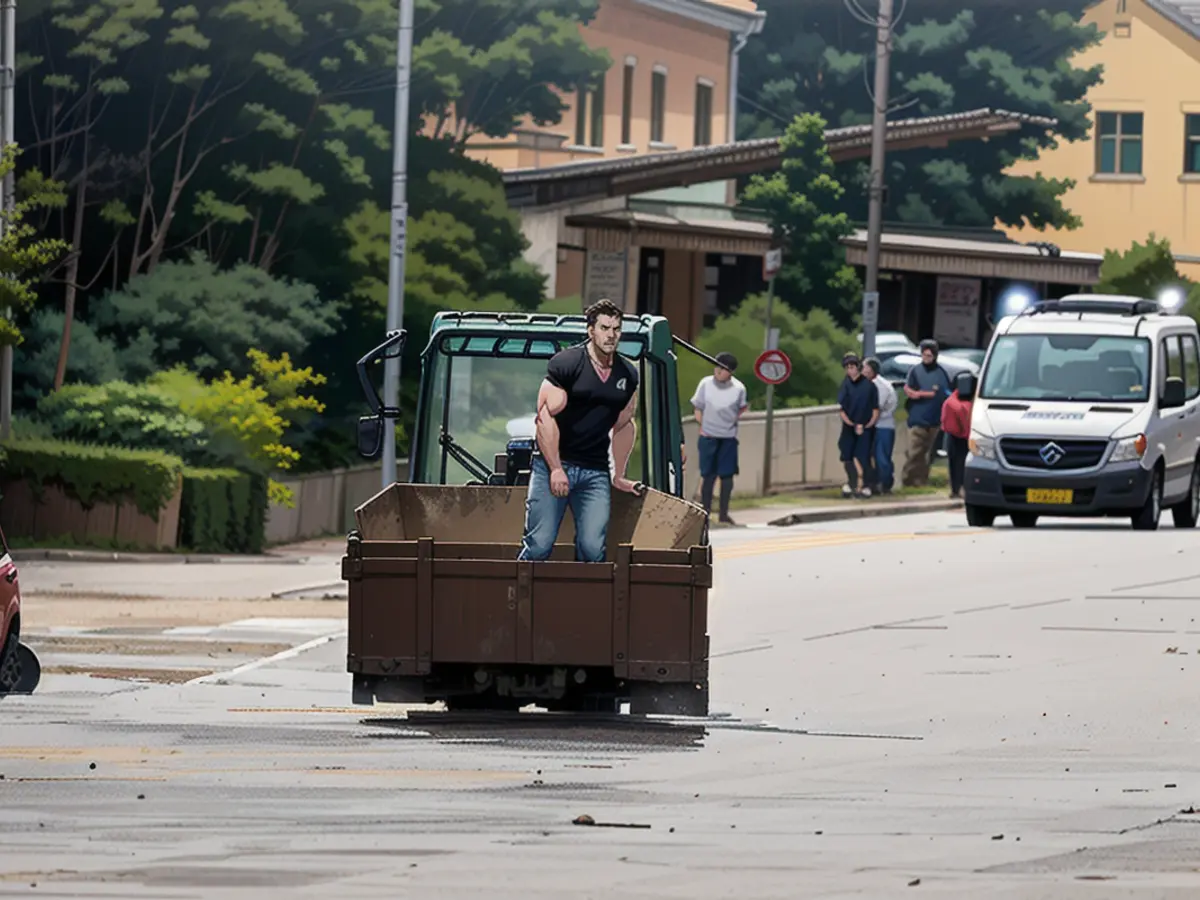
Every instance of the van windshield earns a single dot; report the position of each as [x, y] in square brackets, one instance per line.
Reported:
[1068, 367]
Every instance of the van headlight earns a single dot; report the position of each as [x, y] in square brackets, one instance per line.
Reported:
[982, 446]
[1129, 449]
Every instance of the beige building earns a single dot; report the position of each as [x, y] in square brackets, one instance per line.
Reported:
[1140, 171]
[632, 195]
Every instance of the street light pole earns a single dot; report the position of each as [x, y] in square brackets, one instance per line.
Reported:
[395, 305]
[8, 78]
[883, 45]
[769, 437]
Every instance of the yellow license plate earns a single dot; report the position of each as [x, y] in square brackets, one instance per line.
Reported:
[1049, 497]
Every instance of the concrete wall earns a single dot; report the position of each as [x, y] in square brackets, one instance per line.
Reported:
[804, 453]
[804, 450]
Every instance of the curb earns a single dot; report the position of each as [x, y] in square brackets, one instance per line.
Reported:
[103, 556]
[864, 512]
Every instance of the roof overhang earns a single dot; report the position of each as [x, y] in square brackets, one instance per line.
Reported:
[621, 230]
[976, 259]
[592, 179]
[717, 15]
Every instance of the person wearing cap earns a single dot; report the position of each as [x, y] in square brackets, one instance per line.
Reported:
[719, 402]
[927, 387]
[858, 402]
[956, 422]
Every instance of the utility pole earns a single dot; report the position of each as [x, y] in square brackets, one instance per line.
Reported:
[8, 78]
[395, 305]
[883, 50]
[772, 263]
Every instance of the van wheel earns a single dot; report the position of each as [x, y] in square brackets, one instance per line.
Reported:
[1187, 512]
[1147, 518]
[980, 517]
[1024, 520]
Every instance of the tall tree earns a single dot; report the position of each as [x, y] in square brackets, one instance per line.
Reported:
[802, 199]
[949, 56]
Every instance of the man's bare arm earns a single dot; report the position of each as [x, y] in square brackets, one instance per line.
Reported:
[623, 437]
[551, 401]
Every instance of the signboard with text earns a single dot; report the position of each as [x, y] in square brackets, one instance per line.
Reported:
[956, 316]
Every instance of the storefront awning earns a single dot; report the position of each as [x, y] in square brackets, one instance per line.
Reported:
[617, 231]
[577, 182]
[977, 259]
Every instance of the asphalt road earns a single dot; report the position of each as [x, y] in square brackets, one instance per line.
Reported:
[901, 707]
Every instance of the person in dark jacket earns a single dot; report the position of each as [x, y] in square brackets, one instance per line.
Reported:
[927, 387]
[858, 402]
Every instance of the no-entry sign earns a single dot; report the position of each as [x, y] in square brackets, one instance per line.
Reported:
[773, 367]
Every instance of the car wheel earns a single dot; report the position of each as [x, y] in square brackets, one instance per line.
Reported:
[10, 665]
[1147, 518]
[980, 517]
[1024, 520]
[1187, 512]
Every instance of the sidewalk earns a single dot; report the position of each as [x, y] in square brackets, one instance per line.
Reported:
[781, 515]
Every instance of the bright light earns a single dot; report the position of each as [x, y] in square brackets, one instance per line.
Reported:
[1014, 300]
[1171, 298]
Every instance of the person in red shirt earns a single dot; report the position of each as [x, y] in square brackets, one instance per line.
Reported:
[956, 422]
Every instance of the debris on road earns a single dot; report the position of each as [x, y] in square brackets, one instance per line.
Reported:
[914, 882]
[590, 822]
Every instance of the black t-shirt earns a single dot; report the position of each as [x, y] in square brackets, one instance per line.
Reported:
[593, 406]
[859, 399]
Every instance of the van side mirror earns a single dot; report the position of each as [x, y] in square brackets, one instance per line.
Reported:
[1173, 394]
[370, 437]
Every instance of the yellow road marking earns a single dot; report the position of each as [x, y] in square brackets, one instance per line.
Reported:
[819, 540]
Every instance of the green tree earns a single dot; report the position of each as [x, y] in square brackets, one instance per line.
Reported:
[949, 56]
[1145, 270]
[813, 342]
[482, 66]
[205, 318]
[802, 200]
[24, 257]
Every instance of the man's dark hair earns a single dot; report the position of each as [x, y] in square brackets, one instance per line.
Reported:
[602, 308]
[726, 361]
[929, 344]
[849, 358]
[873, 363]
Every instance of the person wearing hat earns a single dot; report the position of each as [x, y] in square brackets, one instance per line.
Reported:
[858, 406]
[719, 402]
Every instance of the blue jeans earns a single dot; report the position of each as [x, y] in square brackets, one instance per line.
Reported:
[885, 445]
[590, 499]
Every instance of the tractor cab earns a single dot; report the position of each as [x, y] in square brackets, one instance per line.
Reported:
[480, 375]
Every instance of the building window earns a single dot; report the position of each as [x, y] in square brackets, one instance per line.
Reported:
[658, 104]
[1119, 144]
[1191, 145]
[704, 113]
[589, 116]
[627, 101]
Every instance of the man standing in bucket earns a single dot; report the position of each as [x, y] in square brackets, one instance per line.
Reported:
[585, 407]
[719, 402]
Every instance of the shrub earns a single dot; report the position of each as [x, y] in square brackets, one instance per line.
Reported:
[93, 474]
[122, 414]
[223, 510]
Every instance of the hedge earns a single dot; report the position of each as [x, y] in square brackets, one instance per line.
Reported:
[223, 511]
[94, 474]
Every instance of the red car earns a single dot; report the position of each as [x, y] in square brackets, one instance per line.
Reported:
[19, 668]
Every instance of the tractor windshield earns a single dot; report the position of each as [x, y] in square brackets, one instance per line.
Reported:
[482, 393]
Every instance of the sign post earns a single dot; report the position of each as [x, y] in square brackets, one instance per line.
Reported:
[772, 263]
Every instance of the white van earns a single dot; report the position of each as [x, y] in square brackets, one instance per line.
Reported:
[1087, 406]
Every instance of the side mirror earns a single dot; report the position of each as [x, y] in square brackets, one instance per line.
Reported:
[1173, 394]
[370, 437]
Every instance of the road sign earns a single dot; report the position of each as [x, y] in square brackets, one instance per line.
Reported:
[870, 310]
[772, 263]
[773, 367]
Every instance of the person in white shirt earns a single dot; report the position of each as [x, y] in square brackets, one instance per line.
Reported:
[884, 474]
[719, 402]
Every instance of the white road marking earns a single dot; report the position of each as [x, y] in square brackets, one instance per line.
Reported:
[267, 660]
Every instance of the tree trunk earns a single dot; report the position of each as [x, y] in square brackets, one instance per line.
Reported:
[64, 347]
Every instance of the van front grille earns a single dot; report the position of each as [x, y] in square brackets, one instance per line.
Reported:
[1052, 455]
